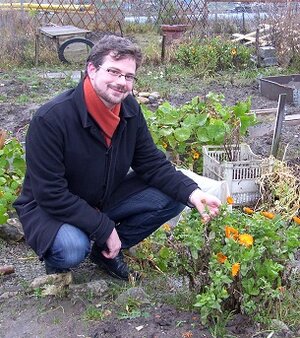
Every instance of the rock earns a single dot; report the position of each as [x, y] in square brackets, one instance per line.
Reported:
[97, 288]
[152, 99]
[135, 293]
[8, 294]
[6, 270]
[282, 330]
[12, 230]
[155, 95]
[142, 100]
[52, 285]
[144, 94]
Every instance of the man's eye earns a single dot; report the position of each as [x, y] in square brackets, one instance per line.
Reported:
[129, 77]
[113, 72]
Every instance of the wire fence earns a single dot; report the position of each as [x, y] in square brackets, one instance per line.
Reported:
[99, 15]
[205, 17]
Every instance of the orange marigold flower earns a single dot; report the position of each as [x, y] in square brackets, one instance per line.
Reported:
[248, 211]
[221, 257]
[296, 219]
[167, 227]
[196, 155]
[268, 214]
[231, 232]
[246, 240]
[187, 334]
[235, 269]
[165, 145]
[229, 200]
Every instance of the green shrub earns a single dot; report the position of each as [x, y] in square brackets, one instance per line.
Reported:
[235, 263]
[12, 169]
[210, 56]
[184, 130]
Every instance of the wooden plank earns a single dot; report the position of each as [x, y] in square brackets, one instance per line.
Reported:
[53, 32]
[264, 111]
[292, 117]
[278, 125]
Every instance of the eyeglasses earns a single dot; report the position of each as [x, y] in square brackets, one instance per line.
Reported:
[117, 73]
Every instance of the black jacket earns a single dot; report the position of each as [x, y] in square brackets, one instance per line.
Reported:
[73, 177]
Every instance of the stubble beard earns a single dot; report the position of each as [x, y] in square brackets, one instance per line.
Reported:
[112, 99]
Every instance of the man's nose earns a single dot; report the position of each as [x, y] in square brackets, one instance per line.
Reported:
[121, 79]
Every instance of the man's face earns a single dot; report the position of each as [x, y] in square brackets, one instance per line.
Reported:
[109, 86]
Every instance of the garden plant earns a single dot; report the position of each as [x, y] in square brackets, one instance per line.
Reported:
[236, 263]
[183, 130]
[12, 168]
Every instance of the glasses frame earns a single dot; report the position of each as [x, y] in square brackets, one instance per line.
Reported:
[118, 74]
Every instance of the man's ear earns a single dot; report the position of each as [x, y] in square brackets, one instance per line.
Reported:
[91, 70]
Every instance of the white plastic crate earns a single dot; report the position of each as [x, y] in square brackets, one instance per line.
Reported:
[241, 174]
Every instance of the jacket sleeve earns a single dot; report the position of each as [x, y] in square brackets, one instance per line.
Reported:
[46, 171]
[151, 164]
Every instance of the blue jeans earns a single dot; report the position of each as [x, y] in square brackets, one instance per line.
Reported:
[136, 218]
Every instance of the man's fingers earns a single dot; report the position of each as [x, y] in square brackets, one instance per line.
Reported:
[109, 254]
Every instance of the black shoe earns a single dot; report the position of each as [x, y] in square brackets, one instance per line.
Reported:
[116, 267]
[51, 270]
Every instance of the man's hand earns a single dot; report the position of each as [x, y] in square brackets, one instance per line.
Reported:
[207, 204]
[113, 244]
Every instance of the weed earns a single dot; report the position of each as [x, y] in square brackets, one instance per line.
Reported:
[93, 313]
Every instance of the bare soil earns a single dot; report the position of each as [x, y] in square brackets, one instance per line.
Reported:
[24, 313]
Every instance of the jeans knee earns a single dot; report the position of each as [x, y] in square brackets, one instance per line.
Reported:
[69, 249]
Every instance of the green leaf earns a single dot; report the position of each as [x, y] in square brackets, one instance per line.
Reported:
[182, 134]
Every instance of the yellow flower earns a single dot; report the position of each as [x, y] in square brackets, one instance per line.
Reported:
[246, 240]
[235, 269]
[221, 257]
[268, 214]
[233, 51]
[196, 155]
[231, 232]
[167, 227]
[229, 200]
[296, 219]
[248, 211]
[165, 145]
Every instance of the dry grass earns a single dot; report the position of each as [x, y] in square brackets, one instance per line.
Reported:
[17, 31]
[280, 190]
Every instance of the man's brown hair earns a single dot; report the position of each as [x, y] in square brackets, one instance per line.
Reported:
[117, 47]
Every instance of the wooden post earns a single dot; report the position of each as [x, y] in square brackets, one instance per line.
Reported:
[36, 48]
[163, 48]
[258, 59]
[278, 124]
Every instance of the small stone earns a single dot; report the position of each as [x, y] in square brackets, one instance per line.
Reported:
[143, 100]
[12, 230]
[136, 293]
[97, 288]
[144, 94]
[152, 99]
[282, 330]
[52, 285]
[155, 95]
[8, 294]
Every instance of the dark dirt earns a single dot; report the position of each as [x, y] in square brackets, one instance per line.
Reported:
[25, 314]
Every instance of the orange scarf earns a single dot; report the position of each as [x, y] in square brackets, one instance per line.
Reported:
[107, 119]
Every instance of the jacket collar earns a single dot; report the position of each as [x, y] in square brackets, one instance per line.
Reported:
[128, 107]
